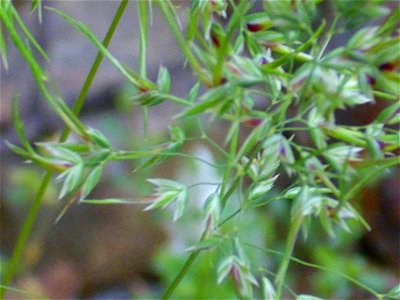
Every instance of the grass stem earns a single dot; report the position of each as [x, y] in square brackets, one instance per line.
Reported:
[36, 204]
[291, 241]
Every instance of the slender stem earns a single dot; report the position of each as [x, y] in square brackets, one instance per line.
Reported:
[232, 150]
[29, 36]
[24, 234]
[190, 260]
[39, 76]
[228, 218]
[34, 210]
[236, 18]
[194, 255]
[291, 241]
[142, 12]
[167, 294]
[177, 100]
[318, 267]
[165, 7]
[386, 96]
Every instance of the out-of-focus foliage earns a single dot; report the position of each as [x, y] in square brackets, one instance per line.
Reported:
[284, 180]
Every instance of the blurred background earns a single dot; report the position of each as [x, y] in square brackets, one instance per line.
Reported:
[121, 252]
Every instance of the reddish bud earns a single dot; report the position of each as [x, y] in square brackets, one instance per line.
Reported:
[252, 123]
[235, 274]
[388, 67]
[222, 81]
[254, 27]
[214, 38]
[371, 80]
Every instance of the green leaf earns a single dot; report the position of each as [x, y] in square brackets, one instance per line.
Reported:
[19, 126]
[169, 191]
[261, 188]
[19, 150]
[3, 49]
[211, 99]
[128, 155]
[339, 156]
[99, 157]
[27, 33]
[161, 153]
[257, 135]
[293, 192]
[205, 244]
[134, 78]
[199, 108]
[394, 293]
[326, 222]
[71, 147]
[194, 92]
[317, 135]
[73, 178]
[225, 267]
[268, 289]
[395, 119]
[177, 134]
[149, 98]
[98, 138]
[108, 201]
[374, 148]
[163, 80]
[162, 200]
[181, 202]
[212, 208]
[37, 5]
[166, 184]
[300, 202]
[64, 153]
[238, 46]
[91, 181]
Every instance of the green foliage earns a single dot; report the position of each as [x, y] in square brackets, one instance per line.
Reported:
[270, 71]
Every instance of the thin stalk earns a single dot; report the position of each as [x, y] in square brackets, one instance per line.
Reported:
[165, 7]
[167, 294]
[346, 135]
[40, 77]
[23, 292]
[34, 210]
[177, 100]
[236, 18]
[298, 52]
[385, 96]
[232, 151]
[319, 267]
[24, 234]
[27, 33]
[355, 187]
[142, 12]
[171, 288]
[291, 241]
[190, 260]
[216, 146]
